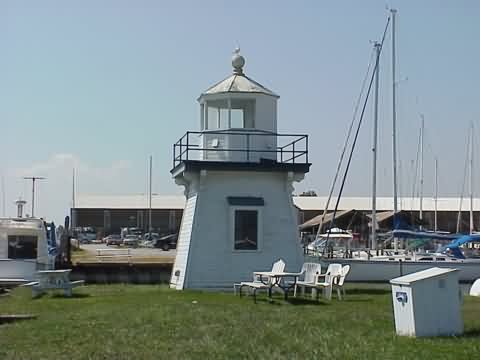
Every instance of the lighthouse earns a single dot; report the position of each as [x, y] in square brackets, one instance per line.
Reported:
[238, 174]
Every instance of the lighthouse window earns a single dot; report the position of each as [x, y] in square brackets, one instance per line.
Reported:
[242, 113]
[217, 114]
[246, 230]
[22, 247]
[237, 119]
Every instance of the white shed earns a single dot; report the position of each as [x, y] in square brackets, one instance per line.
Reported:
[428, 303]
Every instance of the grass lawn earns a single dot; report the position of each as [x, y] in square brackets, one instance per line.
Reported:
[154, 322]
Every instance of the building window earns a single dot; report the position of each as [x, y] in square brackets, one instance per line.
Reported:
[246, 230]
[22, 247]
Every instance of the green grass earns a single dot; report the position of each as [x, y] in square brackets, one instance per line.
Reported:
[154, 322]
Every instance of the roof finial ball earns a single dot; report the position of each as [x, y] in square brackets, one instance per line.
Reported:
[237, 62]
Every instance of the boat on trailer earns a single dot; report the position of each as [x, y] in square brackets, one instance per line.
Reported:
[25, 249]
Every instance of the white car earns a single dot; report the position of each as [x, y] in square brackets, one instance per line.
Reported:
[131, 240]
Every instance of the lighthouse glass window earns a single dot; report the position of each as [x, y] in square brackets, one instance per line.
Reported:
[246, 230]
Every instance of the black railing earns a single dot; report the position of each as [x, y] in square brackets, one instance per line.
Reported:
[243, 146]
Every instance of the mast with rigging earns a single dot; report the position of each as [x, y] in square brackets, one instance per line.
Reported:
[471, 181]
[436, 194]
[394, 130]
[377, 46]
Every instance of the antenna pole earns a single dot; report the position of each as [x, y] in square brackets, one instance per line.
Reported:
[33, 178]
[394, 130]
[374, 149]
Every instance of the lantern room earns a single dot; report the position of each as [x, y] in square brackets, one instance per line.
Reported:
[238, 123]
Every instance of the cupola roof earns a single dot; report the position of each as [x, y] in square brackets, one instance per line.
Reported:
[238, 82]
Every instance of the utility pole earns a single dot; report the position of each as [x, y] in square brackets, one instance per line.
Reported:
[33, 178]
[377, 46]
[422, 129]
[394, 131]
[150, 200]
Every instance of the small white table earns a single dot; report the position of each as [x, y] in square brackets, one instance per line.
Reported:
[54, 279]
[277, 279]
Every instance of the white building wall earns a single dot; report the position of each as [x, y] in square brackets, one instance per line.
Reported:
[183, 244]
[404, 317]
[436, 304]
[211, 261]
[265, 113]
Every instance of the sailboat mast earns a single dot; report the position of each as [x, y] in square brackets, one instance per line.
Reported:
[394, 129]
[459, 216]
[436, 194]
[471, 180]
[374, 149]
[421, 169]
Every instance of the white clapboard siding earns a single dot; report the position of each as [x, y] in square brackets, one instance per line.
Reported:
[3, 245]
[183, 246]
[212, 261]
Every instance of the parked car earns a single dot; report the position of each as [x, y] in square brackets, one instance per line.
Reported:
[166, 242]
[86, 234]
[131, 240]
[151, 236]
[113, 239]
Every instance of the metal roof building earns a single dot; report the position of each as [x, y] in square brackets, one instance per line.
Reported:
[110, 212]
[304, 203]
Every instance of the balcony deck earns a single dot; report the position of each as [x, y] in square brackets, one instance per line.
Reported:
[241, 150]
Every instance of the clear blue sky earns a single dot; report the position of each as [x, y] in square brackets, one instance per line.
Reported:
[103, 84]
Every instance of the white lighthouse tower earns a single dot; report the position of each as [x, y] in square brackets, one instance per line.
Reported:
[238, 174]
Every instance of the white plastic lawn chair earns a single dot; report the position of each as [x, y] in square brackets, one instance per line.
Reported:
[257, 283]
[278, 266]
[340, 280]
[326, 285]
[330, 276]
[310, 272]
[333, 269]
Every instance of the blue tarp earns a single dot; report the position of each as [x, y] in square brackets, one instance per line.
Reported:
[454, 247]
[427, 235]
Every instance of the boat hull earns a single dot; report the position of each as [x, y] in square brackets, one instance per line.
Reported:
[17, 269]
[384, 270]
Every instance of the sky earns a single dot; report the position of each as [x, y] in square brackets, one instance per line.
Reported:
[99, 86]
